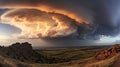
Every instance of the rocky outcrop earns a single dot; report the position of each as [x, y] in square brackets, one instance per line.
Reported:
[22, 52]
[109, 52]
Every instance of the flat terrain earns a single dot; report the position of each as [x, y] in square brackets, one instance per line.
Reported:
[74, 55]
[70, 53]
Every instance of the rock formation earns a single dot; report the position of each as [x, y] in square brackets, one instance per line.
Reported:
[24, 52]
[109, 52]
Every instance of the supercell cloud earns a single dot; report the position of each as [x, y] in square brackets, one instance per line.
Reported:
[38, 24]
[82, 19]
[44, 20]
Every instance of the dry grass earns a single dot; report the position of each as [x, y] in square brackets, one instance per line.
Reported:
[79, 57]
[104, 63]
[8, 62]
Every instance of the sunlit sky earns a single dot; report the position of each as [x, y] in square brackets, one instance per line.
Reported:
[7, 38]
[78, 22]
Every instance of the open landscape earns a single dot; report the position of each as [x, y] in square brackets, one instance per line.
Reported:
[23, 55]
[59, 33]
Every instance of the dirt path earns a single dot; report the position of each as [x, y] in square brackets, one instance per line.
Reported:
[116, 64]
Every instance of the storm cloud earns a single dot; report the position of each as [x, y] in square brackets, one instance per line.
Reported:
[38, 24]
[88, 19]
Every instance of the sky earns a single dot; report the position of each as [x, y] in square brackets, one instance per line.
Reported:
[60, 22]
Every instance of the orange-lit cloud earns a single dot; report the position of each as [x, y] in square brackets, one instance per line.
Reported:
[50, 9]
[38, 24]
[64, 12]
[42, 21]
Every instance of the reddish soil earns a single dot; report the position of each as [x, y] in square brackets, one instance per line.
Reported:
[116, 64]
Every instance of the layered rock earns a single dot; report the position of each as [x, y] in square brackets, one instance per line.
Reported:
[109, 52]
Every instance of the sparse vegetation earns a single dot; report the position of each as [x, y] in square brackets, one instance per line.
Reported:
[104, 63]
[22, 54]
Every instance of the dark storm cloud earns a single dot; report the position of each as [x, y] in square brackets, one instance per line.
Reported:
[107, 17]
[82, 11]
[103, 14]
[82, 8]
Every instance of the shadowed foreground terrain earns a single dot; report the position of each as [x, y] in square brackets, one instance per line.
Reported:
[23, 55]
